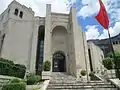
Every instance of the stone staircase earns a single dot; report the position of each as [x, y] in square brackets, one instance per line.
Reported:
[64, 81]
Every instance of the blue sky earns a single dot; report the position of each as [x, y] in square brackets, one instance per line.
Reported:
[86, 11]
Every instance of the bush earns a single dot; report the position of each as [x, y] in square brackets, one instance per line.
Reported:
[108, 63]
[15, 81]
[46, 66]
[6, 61]
[7, 67]
[15, 86]
[32, 79]
[83, 72]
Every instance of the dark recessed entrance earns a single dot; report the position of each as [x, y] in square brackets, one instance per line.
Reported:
[59, 63]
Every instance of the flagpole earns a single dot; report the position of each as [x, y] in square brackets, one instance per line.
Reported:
[114, 56]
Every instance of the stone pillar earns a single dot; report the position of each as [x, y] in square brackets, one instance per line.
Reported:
[47, 40]
[73, 31]
[80, 45]
[34, 38]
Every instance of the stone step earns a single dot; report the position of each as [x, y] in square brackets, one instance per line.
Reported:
[78, 87]
[64, 81]
[64, 84]
[87, 89]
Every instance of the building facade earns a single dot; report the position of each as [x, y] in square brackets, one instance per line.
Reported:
[104, 44]
[30, 40]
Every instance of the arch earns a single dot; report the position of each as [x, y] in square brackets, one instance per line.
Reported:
[16, 11]
[55, 26]
[59, 51]
[59, 62]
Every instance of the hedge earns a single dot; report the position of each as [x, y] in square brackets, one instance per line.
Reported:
[33, 79]
[15, 86]
[9, 68]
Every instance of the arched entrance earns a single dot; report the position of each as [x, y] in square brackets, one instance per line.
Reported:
[59, 63]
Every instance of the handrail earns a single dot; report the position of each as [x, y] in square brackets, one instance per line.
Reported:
[115, 83]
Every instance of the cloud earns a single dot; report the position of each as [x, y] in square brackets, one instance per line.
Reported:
[90, 8]
[93, 31]
[39, 6]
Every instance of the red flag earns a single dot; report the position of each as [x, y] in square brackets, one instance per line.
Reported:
[102, 16]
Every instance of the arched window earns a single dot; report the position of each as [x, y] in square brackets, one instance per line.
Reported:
[16, 11]
[21, 14]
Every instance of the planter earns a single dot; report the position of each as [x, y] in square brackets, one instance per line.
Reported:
[84, 78]
[46, 75]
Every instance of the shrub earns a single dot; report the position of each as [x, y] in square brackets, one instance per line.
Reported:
[108, 63]
[32, 79]
[6, 61]
[15, 80]
[7, 67]
[46, 66]
[15, 86]
[83, 72]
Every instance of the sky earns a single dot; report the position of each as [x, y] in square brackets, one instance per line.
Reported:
[86, 12]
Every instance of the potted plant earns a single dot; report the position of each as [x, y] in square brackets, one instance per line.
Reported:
[46, 74]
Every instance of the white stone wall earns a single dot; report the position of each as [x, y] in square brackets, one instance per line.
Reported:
[97, 56]
[18, 40]
[20, 43]
[116, 47]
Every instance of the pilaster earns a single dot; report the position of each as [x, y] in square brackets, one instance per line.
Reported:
[47, 40]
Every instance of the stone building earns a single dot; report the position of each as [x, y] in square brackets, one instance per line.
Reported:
[28, 39]
[96, 56]
[105, 45]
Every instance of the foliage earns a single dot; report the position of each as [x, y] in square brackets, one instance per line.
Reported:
[110, 54]
[108, 63]
[15, 86]
[32, 79]
[46, 66]
[83, 72]
[7, 61]
[7, 67]
[15, 80]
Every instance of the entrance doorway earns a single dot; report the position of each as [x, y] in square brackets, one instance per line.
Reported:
[59, 63]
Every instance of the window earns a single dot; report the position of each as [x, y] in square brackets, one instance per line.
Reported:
[21, 14]
[113, 43]
[16, 12]
[116, 42]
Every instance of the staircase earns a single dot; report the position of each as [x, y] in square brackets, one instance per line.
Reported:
[64, 81]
